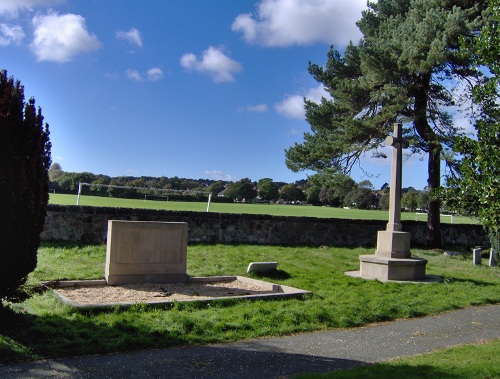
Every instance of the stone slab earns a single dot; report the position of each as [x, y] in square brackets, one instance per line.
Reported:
[259, 267]
[146, 252]
[382, 268]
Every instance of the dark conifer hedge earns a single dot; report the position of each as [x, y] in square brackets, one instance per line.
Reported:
[24, 164]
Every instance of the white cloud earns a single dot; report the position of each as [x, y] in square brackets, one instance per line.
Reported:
[133, 75]
[214, 63]
[257, 108]
[293, 105]
[465, 123]
[220, 175]
[12, 8]
[59, 38]
[301, 22]
[111, 75]
[317, 93]
[133, 36]
[10, 34]
[152, 75]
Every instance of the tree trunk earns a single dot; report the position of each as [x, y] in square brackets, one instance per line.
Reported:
[434, 164]
[434, 182]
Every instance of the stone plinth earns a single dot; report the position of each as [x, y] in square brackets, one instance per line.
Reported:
[393, 244]
[392, 259]
[146, 252]
[384, 268]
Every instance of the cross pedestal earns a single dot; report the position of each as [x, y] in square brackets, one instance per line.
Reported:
[392, 259]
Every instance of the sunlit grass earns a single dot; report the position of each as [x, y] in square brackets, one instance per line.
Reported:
[475, 361]
[42, 327]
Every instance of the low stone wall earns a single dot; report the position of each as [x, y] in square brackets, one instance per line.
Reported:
[89, 225]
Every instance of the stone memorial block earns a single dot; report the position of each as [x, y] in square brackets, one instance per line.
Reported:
[146, 252]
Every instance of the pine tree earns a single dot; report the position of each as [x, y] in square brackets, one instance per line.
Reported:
[398, 72]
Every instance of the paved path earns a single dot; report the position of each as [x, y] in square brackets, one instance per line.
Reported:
[280, 357]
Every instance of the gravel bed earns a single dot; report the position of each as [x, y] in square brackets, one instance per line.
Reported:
[153, 292]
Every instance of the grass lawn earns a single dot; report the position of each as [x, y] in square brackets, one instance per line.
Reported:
[476, 361]
[272, 209]
[42, 327]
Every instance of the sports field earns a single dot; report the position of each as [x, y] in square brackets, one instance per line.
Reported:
[271, 209]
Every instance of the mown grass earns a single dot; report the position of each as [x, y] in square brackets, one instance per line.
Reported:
[42, 327]
[475, 361]
[268, 209]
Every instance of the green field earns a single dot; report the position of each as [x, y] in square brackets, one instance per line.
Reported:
[269, 209]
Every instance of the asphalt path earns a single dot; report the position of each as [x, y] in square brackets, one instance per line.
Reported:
[282, 357]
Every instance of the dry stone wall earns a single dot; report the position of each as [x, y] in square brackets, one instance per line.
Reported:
[89, 225]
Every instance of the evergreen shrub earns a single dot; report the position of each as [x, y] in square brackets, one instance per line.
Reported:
[24, 183]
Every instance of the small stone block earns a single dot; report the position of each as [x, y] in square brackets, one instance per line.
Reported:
[492, 261]
[476, 256]
[259, 267]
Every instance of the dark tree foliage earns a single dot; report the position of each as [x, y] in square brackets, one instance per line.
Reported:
[268, 190]
[476, 190]
[242, 189]
[24, 164]
[290, 192]
[400, 71]
[332, 188]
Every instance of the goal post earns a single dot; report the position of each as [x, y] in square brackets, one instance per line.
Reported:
[441, 215]
[160, 190]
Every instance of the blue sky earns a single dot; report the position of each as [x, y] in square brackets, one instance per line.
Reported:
[194, 89]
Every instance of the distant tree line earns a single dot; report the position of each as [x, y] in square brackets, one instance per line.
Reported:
[338, 190]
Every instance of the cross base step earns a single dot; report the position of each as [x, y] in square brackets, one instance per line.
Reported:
[383, 268]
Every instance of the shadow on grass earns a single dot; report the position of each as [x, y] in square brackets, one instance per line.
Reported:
[274, 274]
[479, 283]
[237, 360]
[27, 337]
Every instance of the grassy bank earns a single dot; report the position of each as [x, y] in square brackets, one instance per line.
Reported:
[269, 209]
[42, 327]
[477, 361]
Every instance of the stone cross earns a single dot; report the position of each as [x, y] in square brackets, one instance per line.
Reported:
[398, 143]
